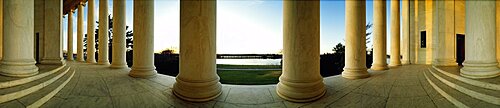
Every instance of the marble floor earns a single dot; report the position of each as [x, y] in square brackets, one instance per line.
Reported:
[99, 86]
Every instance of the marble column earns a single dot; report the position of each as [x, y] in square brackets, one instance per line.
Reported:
[143, 64]
[79, 34]
[90, 32]
[53, 33]
[355, 48]
[379, 36]
[406, 32]
[444, 33]
[395, 35]
[69, 52]
[197, 79]
[413, 41]
[1, 29]
[18, 39]
[301, 80]
[103, 33]
[498, 30]
[119, 30]
[480, 60]
[427, 21]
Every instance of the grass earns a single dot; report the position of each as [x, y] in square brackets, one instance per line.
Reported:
[248, 66]
[249, 77]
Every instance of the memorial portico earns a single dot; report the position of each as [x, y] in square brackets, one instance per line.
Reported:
[423, 56]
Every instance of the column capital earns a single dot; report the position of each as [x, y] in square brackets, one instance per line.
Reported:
[82, 3]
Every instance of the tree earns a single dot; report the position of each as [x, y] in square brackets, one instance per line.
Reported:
[368, 26]
[167, 51]
[339, 48]
[333, 63]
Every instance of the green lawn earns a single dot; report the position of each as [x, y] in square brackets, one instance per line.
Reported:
[248, 66]
[249, 77]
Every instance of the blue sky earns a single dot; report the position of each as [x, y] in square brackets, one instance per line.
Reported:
[242, 25]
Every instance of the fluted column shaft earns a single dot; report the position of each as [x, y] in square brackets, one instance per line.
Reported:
[406, 32]
[395, 35]
[480, 60]
[301, 80]
[379, 36]
[91, 32]
[53, 33]
[143, 63]
[103, 33]
[444, 33]
[79, 34]
[18, 39]
[197, 80]
[355, 49]
[69, 51]
[119, 30]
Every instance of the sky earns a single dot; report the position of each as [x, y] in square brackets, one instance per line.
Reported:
[243, 26]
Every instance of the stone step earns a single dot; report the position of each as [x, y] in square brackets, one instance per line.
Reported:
[16, 92]
[487, 95]
[456, 97]
[454, 72]
[45, 70]
[38, 98]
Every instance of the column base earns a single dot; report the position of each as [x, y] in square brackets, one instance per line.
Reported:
[89, 61]
[142, 72]
[199, 91]
[498, 61]
[428, 62]
[80, 60]
[444, 63]
[394, 63]
[480, 70]
[118, 66]
[18, 69]
[103, 63]
[355, 73]
[379, 67]
[405, 62]
[53, 61]
[300, 91]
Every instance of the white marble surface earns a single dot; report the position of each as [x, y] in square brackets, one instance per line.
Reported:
[100, 86]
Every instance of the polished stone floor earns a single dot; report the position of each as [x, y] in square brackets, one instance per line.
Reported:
[99, 86]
